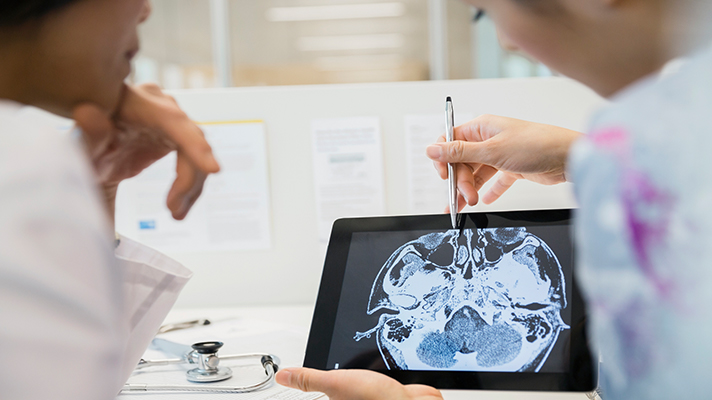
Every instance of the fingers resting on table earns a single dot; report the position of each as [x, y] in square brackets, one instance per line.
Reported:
[354, 385]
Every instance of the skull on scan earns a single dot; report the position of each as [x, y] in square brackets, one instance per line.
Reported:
[476, 300]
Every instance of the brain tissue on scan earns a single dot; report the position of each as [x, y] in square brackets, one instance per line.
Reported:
[482, 300]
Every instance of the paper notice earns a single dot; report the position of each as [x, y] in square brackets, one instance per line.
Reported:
[427, 193]
[348, 169]
[233, 212]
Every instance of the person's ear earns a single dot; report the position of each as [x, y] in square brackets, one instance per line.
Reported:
[146, 12]
[506, 42]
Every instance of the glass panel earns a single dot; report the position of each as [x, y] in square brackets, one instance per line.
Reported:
[175, 45]
[286, 42]
[460, 40]
[277, 42]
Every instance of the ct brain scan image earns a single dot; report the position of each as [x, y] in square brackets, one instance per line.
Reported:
[476, 300]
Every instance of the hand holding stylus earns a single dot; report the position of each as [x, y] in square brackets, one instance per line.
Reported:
[490, 144]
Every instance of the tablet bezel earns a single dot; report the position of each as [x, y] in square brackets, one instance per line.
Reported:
[580, 378]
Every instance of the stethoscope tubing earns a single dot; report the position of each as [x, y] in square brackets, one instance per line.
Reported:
[143, 363]
[133, 388]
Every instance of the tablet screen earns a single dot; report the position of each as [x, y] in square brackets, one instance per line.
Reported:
[492, 304]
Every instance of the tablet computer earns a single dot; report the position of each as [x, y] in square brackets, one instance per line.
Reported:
[490, 305]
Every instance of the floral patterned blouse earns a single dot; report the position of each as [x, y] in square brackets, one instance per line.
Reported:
[644, 234]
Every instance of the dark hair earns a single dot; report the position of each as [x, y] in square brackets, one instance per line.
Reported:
[16, 12]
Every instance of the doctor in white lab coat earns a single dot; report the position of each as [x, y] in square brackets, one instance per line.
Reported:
[77, 305]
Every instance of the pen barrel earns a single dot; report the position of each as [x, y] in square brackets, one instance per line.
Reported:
[452, 194]
[451, 174]
[452, 183]
[449, 122]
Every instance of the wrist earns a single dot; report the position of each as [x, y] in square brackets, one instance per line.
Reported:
[109, 194]
[567, 155]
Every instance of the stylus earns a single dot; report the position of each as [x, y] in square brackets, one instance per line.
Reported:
[451, 177]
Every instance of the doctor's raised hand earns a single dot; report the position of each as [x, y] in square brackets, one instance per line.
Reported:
[518, 149]
[354, 384]
[145, 127]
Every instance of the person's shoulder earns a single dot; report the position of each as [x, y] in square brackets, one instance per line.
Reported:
[44, 170]
[650, 146]
[659, 127]
[50, 208]
[674, 104]
[57, 269]
[33, 145]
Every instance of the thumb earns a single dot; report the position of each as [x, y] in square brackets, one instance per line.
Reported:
[304, 379]
[96, 126]
[460, 151]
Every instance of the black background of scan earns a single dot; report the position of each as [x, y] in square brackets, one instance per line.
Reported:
[369, 251]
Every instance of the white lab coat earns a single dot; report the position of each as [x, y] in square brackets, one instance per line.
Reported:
[75, 313]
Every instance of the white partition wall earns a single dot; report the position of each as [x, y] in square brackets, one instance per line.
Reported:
[289, 271]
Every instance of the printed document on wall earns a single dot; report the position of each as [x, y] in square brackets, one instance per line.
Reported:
[233, 213]
[348, 169]
[427, 193]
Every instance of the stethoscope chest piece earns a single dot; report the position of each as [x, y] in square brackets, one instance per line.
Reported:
[205, 356]
[208, 364]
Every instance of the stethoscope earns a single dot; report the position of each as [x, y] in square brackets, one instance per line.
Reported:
[205, 356]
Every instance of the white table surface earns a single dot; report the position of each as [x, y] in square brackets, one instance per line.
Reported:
[300, 316]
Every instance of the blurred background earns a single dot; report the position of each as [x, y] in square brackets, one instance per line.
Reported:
[226, 43]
